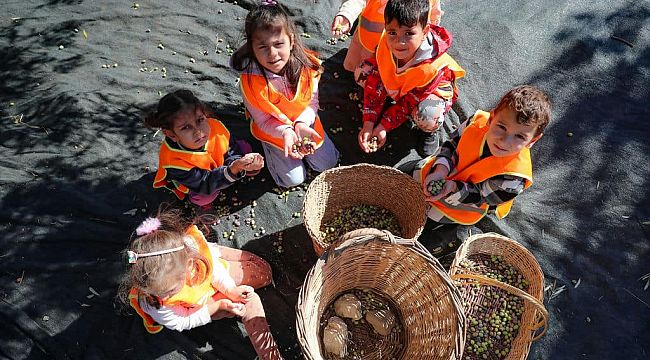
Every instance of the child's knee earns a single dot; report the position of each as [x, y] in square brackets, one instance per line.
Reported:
[264, 272]
[429, 114]
[290, 180]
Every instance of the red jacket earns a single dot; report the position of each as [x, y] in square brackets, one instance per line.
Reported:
[375, 94]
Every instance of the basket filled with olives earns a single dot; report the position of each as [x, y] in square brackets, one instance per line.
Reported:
[347, 198]
[502, 287]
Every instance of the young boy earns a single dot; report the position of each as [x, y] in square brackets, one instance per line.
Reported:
[371, 25]
[412, 68]
[487, 161]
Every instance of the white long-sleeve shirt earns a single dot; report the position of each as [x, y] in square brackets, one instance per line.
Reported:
[268, 123]
[351, 9]
[181, 318]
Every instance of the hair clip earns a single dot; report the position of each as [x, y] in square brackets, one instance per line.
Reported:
[148, 226]
[269, 2]
[133, 256]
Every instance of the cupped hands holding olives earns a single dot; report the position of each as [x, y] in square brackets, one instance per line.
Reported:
[371, 138]
[436, 186]
[300, 141]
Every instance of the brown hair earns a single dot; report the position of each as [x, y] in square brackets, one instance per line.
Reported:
[268, 18]
[170, 105]
[152, 274]
[531, 104]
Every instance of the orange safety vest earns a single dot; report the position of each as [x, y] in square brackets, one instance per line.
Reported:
[197, 288]
[471, 168]
[372, 23]
[256, 90]
[210, 158]
[420, 75]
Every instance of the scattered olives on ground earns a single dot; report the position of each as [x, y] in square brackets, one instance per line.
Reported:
[358, 217]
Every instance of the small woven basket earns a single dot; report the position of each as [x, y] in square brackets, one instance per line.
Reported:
[534, 318]
[347, 186]
[428, 306]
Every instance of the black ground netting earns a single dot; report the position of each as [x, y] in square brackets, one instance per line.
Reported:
[77, 165]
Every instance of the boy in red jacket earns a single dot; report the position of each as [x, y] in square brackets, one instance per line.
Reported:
[412, 68]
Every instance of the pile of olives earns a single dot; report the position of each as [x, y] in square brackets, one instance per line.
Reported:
[435, 186]
[358, 217]
[306, 146]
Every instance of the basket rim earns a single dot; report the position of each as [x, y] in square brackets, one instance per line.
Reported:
[462, 250]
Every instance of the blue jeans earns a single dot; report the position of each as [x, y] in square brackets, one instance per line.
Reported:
[287, 171]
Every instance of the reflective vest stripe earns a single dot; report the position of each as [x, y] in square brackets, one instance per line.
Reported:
[372, 26]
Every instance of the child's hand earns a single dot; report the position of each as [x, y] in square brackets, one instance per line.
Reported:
[290, 139]
[240, 294]
[380, 133]
[340, 25]
[364, 135]
[305, 132]
[228, 307]
[448, 188]
[439, 172]
[253, 162]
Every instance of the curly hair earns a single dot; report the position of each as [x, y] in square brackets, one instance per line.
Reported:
[531, 104]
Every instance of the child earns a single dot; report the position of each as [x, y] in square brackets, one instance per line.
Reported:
[371, 25]
[197, 156]
[412, 68]
[180, 281]
[279, 84]
[487, 161]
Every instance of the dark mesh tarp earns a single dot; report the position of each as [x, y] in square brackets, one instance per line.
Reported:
[77, 165]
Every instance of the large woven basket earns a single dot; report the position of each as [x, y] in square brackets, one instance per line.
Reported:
[347, 186]
[534, 317]
[402, 271]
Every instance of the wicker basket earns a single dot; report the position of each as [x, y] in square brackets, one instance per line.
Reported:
[347, 186]
[428, 305]
[534, 317]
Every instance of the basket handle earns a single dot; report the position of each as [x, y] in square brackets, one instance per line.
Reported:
[542, 313]
[382, 234]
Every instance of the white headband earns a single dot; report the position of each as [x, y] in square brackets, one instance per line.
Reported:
[133, 256]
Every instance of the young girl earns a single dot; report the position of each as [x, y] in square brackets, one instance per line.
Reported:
[197, 157]
[371, 25]
[180, 281]
[279, 84]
